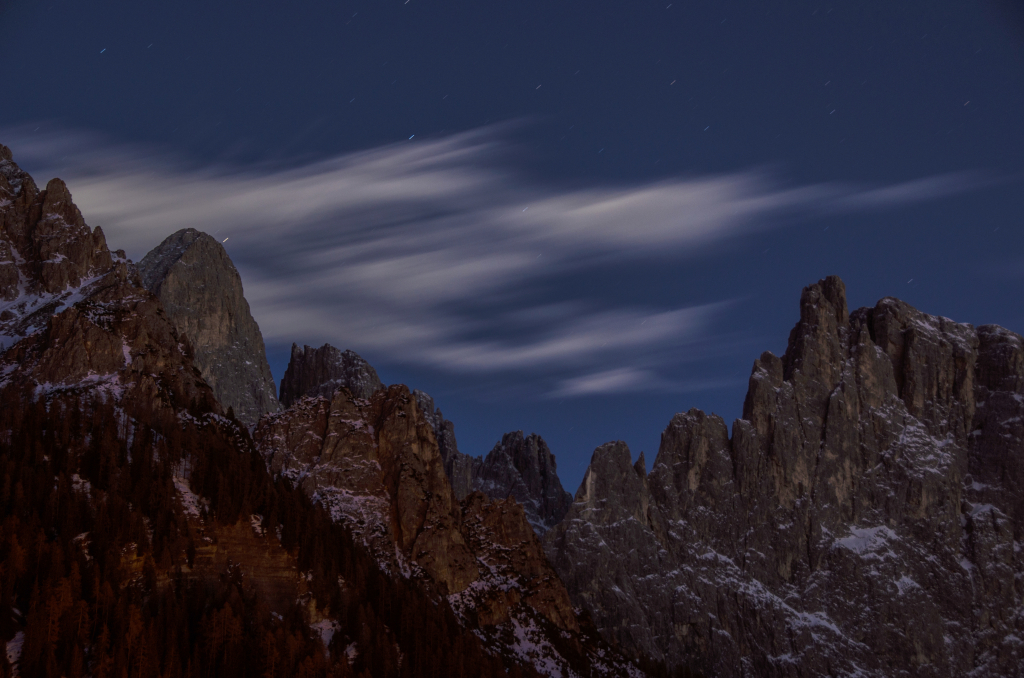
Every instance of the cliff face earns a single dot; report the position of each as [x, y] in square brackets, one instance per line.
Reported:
[322, 371]
[375, 465]
[460, 468]
[519, 467]
[200, 289]
[864, 517]
[49, 257]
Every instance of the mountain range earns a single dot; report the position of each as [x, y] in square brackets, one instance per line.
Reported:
[168, 512]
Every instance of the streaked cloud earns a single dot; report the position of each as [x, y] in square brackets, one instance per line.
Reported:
[435, 252]
[618, 380]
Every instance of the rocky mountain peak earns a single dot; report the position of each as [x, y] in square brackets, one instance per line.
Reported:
[641, 465]
[375, 465]
[523, 467]
[193, 276]
[816, 343]
[518, 466]
[48, 254]
[867, 505]
[322, 371]
[611, 488]
[160, 260]
[79, 323]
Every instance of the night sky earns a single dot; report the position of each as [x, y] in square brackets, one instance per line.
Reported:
[571, 218]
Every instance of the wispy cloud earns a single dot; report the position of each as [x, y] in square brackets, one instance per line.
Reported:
[918, 190]
[618, 380]
[435, 252]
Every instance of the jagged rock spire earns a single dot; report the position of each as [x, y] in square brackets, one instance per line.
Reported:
[48, 254]
[322, 371]
[869, 500]
[523, 467]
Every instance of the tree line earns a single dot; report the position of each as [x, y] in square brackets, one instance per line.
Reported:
[96, 553]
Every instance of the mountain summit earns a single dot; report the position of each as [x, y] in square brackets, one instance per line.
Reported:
[864, 518]
[49, 257]
[201, 290]
[322, 371]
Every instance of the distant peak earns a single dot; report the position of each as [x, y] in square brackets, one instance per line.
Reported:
[322, 371]
[641, 465]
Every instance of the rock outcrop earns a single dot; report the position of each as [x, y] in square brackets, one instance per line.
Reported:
[201, 290]
[524, 468]
[322, 371]
[864, 518]
[375, 465]
[49, 257]
[519, 467]
[460, 468]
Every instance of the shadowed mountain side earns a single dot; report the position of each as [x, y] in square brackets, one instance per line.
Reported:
[142, 532]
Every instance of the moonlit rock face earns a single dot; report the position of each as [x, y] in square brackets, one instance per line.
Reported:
[49, 257]
[193, 276]
[77, 323]
[322, 371]
[520, 467]
[523, 467]
[375, 465]
[863, 518]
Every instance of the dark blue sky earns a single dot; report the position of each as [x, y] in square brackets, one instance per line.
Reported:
[690, 167]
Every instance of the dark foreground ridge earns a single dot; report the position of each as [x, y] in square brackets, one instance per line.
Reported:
[864, 518]
[143, 534]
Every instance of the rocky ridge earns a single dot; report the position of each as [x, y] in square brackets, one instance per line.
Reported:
[375, 465]
[49, 257]
[201, 291]
[519, 467]
[524, 468]
[105, 413]
[322, 371]
[864, 518]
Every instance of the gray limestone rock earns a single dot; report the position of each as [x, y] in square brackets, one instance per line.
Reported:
[866, 516]
[322, 371]
[193, 276]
